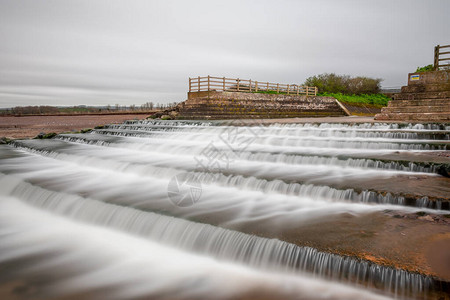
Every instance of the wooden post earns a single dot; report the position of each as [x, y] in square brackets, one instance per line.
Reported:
[307, 90]
[250, 85]
[315, 91]
[436, 58]
[278, 88]
[189, 84]
[208, 83]
[237, 84]
[198, 83]
[297, 90]
[267, 86]
[224, 84]
[288, 89]
[256, 86]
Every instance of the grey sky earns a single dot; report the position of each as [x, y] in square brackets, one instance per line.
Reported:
[130, 52]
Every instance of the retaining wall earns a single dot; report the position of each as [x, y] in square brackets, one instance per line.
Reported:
[239, 105]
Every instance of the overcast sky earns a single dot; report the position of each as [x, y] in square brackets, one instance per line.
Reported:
[99, 52]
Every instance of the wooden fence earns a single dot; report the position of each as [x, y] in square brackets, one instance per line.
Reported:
[210, 83]
[437, 57]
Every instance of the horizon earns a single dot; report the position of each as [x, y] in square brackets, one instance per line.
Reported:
[106, 52]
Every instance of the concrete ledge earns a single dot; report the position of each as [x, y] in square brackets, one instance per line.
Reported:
[226, 105]
[435, 77]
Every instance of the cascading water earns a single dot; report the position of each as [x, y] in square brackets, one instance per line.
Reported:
[113, 190]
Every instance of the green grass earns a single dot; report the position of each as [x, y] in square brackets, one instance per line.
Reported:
[274, 92]
[377, 100]
[268, 92]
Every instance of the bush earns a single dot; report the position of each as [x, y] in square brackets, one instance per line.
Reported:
[344, 84]
[428, 68]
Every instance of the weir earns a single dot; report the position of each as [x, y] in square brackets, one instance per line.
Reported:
[270, 254]
[265, 187]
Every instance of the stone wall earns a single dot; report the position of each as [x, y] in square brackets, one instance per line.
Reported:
[428, 78]
[231, 105]
[426, 98]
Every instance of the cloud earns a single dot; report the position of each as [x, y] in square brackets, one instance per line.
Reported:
[111, 51]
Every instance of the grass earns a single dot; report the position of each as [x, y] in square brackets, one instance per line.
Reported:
[270, 92]
[376, 100]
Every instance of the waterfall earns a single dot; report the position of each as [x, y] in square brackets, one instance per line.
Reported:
[248, 187]
[268, 254]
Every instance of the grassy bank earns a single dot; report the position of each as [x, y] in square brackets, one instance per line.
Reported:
[375, 100]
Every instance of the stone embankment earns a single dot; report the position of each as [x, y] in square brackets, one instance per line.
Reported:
[426, 98]
[238, 105]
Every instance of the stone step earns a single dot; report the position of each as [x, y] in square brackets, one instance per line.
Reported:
[419, 96]
[425, 117]
[420, 102]
[421, 88]
[272, 112]
[416, 109]
[198, 116]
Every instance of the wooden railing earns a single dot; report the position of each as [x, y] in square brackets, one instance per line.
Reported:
[437, 57]
[210, 83]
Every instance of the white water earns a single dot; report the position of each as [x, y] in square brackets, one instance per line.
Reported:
[274, 177]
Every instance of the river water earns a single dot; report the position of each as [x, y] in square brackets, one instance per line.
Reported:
[150, 209]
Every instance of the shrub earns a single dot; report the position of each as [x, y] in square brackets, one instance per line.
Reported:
[428, 68]
[332, 83]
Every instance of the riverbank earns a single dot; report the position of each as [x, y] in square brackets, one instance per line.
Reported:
[31, 126]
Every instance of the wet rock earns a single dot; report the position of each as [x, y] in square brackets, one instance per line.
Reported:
[444, 170]
[44, 135]
[40, 135]
[426, 218]
[4, 140]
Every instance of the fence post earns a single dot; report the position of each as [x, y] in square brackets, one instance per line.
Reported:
[256, 85]
[237, 84]
[208, 83]
[307, 90]
[436, 57]
[189, 84]
[288, 89]
[278, 88]
[315, 91]
[267, 87]
[250, 85]
[198, 83]
[297, 90]
[224, 84]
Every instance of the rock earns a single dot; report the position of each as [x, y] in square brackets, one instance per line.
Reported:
[40, 135]
[44, 135]
[444, 170]
[173, 114]
[4, 140]
[426, 218]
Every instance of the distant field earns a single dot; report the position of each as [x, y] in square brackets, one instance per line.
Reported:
[30, 126]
